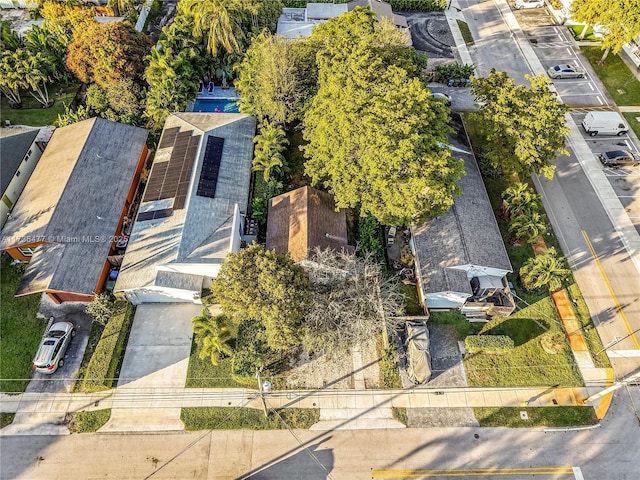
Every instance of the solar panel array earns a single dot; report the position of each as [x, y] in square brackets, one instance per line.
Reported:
[154, 214]
[171, 179]
[210, 167]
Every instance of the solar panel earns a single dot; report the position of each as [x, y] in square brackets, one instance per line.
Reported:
[154, 184]
[168, 137]
[210, 167]
[154, 214]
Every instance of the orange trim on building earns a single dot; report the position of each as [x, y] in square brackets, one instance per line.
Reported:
[16, 254]
[59, 297]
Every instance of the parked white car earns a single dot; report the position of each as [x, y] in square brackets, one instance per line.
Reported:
[520, 4]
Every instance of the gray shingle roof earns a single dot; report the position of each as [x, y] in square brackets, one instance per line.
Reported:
[75, 197]
[13, 148]
[468, 234]
[200, 232]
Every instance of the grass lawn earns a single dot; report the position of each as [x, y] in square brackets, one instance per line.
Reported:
[20, 330]
[411, 302]
[589, 36]
[620, 82]
[85, 422]
[538, 417]
[527, 364]
[203, 374]
[220, 418]
[588, 328]
[633, 122]
[466, 33]
[6, 418]
[455, 318]
[32, 112]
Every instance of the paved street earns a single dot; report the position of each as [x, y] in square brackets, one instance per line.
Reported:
[605, 453]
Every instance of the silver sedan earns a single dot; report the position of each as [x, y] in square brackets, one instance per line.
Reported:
[566, 71]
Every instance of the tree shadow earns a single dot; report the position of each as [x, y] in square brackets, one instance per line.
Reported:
[521, 330]
[312, 462]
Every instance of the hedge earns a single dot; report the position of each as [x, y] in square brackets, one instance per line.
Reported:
[396, 5]
[102, 367]
[488, 343]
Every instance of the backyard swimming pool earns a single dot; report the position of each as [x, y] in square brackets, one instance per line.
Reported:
[215, 105]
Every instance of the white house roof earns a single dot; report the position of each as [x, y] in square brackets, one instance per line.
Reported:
[189, 227]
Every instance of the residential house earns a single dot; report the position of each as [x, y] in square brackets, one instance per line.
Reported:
[20, 151]
[71, 212]
[460, 257]
[303, 219]
[299, 22]
[193, 209]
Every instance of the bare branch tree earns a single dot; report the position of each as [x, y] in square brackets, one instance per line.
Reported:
[352, 300]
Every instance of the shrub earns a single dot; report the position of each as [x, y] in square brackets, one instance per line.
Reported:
[104, 361]
[251, 344]
[369, 237]
[453, 70]
[389, 368]
[396, 5]
[85, 422]
[102, 308]
[488, 343]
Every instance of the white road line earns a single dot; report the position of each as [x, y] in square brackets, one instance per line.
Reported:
[591, 86]
[627, 144]
[560, 37]
[577, 473]
[599, 100]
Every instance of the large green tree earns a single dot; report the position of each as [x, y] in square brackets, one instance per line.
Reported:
[525, 126]
[375, 138]
[266, 286]
[268, 80]
[620, 19]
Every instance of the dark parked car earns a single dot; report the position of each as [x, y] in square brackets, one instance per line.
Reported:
[619, 158]
[54, 344]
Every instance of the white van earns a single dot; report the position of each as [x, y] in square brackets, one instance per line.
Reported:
[605, 123]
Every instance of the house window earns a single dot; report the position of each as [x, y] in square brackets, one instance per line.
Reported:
[17, 173]
[27, 251]
[26, 157]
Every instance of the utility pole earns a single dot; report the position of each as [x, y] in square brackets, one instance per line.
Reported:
[264, 403]
[613, 387]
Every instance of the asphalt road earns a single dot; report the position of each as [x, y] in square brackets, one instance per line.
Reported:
[605, 453]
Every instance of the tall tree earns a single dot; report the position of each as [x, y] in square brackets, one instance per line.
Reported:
[619, 18]
[11, 77]
[217, 21]
[212, 335]
[106, 53]
[268, 80]
[63, 21]
[525, 126]
[375, 138]
[270, 143]
[264, 286]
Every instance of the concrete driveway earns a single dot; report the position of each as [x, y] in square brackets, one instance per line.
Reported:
[62, 380]
[157, 357]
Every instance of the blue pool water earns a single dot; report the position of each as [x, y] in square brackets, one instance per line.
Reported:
[215, 105]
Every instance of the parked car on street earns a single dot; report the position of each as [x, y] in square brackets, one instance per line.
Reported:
[619, 158]
[528, 4]
[566, 71]
[53, 346]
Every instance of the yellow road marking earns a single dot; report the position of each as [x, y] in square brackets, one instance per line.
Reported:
[605, 402]
[471, 472]
[610, 288]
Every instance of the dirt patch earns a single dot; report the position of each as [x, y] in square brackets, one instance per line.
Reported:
[333, 370]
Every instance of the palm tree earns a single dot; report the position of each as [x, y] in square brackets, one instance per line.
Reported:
[528, 227]
[212, 335]
[270, 143]
[216, 20]
[10, 78]
[546, 269]
[519, 198]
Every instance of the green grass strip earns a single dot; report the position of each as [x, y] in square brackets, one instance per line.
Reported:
[619, 81]
[221, 418]
[86, 422]
[538, 417]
